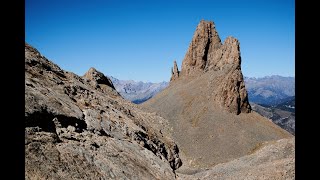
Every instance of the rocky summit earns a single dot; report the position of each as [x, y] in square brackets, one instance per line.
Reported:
[207, 105]
[199, 127]
[81, 128]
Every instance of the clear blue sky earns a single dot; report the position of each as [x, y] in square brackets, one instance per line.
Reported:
[139, 40]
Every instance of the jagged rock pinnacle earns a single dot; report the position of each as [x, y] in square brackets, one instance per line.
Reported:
[204, 41]
[205, 54]
[174, 72]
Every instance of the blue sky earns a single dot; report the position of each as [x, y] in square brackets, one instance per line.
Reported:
[139, 40]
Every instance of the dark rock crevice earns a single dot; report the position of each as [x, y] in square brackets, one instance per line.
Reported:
[205, 55]
[46, 121]
[41, 119]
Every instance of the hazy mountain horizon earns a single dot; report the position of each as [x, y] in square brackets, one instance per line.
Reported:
[267, 90]
[246, 77]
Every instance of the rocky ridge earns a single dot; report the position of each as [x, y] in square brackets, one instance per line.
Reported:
[81, 128]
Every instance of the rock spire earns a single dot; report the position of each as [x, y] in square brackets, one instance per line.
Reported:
[174, 72]
[205, 54]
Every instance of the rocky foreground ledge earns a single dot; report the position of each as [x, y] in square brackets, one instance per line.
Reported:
[81, 128]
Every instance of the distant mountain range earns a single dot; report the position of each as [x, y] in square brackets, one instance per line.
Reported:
[137, 92]
[269, 90]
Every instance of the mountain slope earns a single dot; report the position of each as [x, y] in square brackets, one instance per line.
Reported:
[207, 104]
[287, 104]
[282, 114]
[81, 128]
[271, 160]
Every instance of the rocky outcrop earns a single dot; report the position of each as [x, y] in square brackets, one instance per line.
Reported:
[207, 105]
[81, 128]
[174, 72]
[97, 80]
[206, 54]
[231, 93]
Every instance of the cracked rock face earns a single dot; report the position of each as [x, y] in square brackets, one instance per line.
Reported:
[81, 128]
